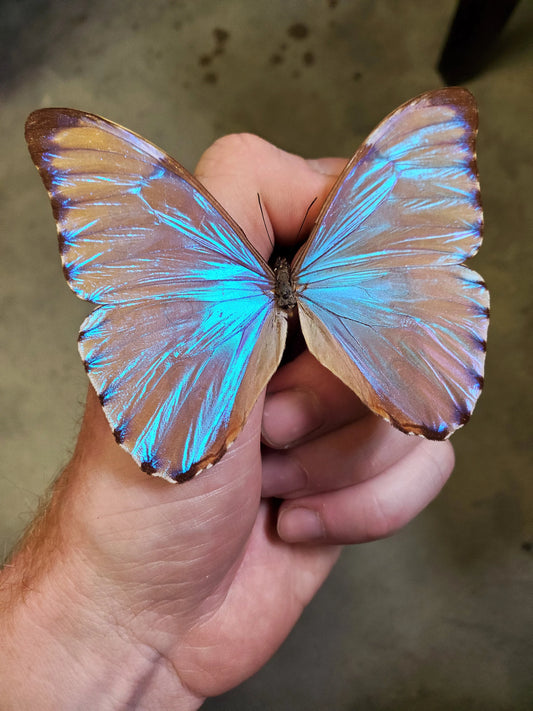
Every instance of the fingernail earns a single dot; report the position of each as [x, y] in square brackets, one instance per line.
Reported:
[300, 525]
[282, 475]
[290, 415]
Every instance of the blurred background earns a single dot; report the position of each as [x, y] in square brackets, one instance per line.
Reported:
[441, 615]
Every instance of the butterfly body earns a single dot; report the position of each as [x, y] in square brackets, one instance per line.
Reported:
[190, 321]
[284, 290]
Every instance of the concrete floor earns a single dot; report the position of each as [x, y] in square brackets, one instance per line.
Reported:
[441, 615]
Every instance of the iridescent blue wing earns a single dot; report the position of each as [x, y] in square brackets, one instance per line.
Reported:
[384, 300]
[186, 334]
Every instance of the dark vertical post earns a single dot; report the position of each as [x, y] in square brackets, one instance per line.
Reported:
[472, 37]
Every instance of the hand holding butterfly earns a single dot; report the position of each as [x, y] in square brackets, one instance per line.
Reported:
[130, 592]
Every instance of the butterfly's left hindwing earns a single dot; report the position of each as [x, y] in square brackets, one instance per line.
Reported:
[186, 334]
[177, 381]
[383, 299]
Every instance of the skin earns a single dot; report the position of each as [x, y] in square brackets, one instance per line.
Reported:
[132, 593]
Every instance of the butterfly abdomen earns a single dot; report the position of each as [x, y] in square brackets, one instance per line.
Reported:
[284, 288]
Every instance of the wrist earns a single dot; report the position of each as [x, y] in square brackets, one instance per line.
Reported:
[62, 646]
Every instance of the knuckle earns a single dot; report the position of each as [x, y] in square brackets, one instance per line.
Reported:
[440, 459]
[234, 144]
[379, 523]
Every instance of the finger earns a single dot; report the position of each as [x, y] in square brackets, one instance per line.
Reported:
[305, 400]
[350, 455]
[374, 509]
[286, 183]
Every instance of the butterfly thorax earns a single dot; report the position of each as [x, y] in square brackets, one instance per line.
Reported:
[284, 289]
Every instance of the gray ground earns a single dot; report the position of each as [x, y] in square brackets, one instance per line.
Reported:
[440, 616]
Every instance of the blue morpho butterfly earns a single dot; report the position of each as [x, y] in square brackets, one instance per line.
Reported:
[191, 321]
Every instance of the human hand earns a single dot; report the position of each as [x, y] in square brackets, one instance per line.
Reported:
[145, 594]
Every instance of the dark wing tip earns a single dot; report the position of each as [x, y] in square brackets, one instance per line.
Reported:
[182, 477]
[437, 435]
[456, 96]
[452, 95]
[105, 396]
[478, 381]
[464, 101]
[151, 468]
[463, 415]
[441, 432]
[41, 125]
[43, 121]
[421, 430]
[61, 241]
[481, 343]
[119, 433]
[148, 468]
[67, 272]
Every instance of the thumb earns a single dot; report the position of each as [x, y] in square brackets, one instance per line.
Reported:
[238, 167]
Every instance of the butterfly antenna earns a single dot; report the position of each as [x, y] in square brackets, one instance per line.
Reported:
[305, 218]
[264, 221]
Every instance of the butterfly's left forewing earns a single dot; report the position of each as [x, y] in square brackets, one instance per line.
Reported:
[384, 300]
[186, 333]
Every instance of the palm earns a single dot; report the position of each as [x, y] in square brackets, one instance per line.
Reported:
[199, 568]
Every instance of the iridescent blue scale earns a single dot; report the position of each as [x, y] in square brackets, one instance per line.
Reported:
[188, 330]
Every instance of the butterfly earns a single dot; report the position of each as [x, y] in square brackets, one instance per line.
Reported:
[190, 321]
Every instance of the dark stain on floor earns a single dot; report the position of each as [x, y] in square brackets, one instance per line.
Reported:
[298, 31]
[221, 37]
